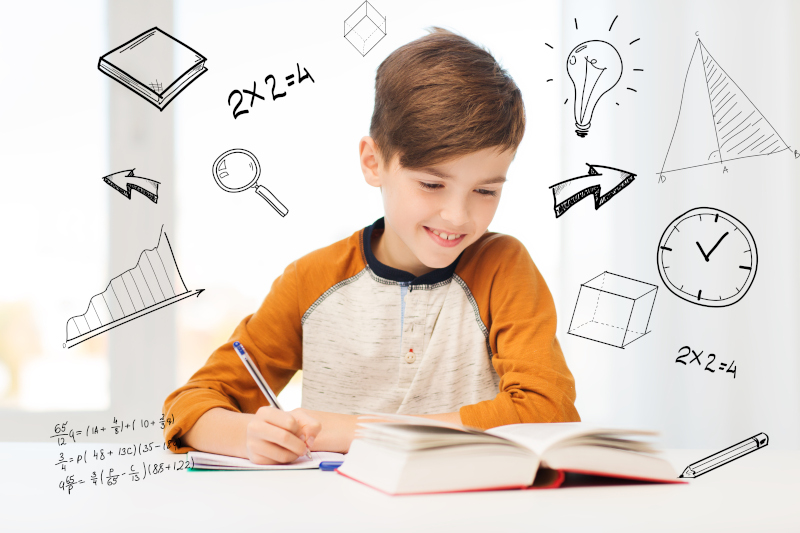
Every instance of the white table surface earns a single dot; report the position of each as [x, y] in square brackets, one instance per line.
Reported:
[757, 493]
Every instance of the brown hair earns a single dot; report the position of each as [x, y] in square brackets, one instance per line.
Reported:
[441, 97]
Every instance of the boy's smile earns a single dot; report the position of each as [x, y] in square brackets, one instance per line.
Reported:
[433, 214]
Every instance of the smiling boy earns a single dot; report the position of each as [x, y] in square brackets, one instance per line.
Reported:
[424, 312]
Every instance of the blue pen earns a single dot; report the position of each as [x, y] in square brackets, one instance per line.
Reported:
[330, 466]
[259, 379]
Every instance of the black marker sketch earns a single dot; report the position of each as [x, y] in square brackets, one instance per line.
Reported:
[110, 478]
[63, 433]
[731, 369]
[253, 94]
[612, 309]
[721, 458]
[147, 287]
[609, 179]
[707, 257]
[716, 120]
[365, 28]
[132, 64]
[595, 67]
[125, 181]
[237, 170]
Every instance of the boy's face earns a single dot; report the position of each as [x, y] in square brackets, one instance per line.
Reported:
[433, 214]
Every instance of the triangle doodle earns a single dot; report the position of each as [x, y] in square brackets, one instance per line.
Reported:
[717, 122]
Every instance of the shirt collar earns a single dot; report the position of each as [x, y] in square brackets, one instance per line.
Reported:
[401, 276]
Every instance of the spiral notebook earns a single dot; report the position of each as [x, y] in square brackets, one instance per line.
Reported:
[212, 461]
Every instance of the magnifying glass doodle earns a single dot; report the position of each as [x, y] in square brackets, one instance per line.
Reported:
[237, 170]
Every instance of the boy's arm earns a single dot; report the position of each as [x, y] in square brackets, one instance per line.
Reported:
[272, 337]
[513, 298]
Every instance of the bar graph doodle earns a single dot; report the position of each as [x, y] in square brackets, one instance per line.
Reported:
[147, 287]
[716, 121]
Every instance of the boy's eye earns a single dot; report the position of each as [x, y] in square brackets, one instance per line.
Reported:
[435, 186]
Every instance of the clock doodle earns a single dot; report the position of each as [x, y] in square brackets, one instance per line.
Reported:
[707, 257]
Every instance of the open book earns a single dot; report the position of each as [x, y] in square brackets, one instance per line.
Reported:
[212, 461]
[411, 455]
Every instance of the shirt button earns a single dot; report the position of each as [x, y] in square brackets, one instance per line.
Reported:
[410, 357]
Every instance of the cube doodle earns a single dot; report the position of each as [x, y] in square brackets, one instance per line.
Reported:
[365, 28]
[613, 309]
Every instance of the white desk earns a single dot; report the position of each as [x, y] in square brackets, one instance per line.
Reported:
[757, 493]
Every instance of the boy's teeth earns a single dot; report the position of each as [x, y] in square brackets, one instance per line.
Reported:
[451, 237]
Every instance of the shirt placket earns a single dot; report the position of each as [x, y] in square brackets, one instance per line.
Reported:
[412, 345]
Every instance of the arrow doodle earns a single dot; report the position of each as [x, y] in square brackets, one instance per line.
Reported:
[124, 182]
[600, 178]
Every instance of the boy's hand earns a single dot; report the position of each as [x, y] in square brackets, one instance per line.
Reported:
[279, 437]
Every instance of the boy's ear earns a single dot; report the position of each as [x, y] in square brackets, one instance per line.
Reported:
[370, 161]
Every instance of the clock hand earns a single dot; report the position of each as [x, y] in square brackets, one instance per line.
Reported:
[715, 246]
[701, 251]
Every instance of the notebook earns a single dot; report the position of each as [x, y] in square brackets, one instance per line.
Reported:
[410, 455]
[212, 461]
[154, 65]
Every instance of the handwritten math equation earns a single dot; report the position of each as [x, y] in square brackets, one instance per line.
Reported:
[253, 95]
[131, 450]
[110, 478]
[695, 358]
[63, 434]
[94, 465]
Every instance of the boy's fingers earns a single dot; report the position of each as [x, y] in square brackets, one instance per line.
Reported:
[279, 418]
[309, 426]
[268, 432]
[266, 453]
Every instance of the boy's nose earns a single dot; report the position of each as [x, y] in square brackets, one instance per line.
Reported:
[455, 212]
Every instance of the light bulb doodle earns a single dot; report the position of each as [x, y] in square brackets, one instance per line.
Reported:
[594, 67]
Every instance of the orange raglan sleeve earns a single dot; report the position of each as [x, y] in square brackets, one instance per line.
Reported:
[273, 338]
[518, 309]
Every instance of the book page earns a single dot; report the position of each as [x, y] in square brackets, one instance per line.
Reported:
[540, 437]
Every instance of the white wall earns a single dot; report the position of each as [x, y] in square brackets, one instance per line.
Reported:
[307, 146]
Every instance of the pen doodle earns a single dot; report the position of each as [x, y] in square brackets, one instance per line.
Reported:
[147, 287]
[365, 28]
[716, 120]
[254, 94]
[154, 65]
[594, 67]
[238, 170]
[728, 368]
[603, 184]
[125, 182]
[612, 309]
[110, 478]
[104, 454]
[110, 455]
[707, 257]
[723, 457]
[62, 433]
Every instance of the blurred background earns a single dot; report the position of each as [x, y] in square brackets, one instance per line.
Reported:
[64, 125]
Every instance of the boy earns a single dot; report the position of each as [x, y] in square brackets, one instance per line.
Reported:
[424, 312]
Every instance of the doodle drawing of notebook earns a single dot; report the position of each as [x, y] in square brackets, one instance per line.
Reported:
[154, 65]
